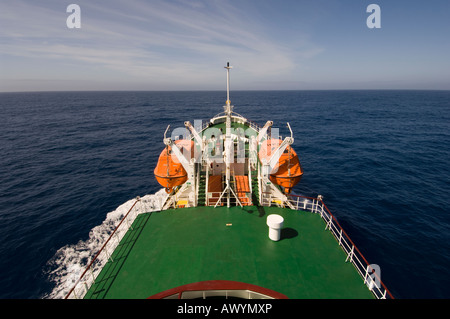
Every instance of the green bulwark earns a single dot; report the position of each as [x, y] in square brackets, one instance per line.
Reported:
[175, 247]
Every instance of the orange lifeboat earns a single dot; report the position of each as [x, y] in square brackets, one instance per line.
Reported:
[287, 171]
[169, 171]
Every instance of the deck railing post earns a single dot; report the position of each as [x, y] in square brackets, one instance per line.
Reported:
[128, 223]
[328, 225]
[350, 255]
[319, 199]
[92, 272]
[117, 238]
[367, 273]
[108, 255]
[74, 293]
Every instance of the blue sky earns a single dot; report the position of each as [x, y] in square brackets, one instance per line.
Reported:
[183, 45]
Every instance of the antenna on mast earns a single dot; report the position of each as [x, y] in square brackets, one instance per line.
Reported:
[228, 67]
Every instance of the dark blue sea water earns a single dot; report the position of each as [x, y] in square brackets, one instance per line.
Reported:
[379, 158]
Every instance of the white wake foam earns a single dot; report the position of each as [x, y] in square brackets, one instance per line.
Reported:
[70, 261]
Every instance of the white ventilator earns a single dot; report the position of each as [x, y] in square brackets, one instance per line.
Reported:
[275, 223]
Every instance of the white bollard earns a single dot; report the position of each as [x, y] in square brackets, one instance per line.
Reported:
[275, 223]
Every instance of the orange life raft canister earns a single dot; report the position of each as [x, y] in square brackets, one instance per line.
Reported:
[169, 171]
[287, 172]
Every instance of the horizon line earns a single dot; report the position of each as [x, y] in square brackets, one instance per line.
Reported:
[217, 90]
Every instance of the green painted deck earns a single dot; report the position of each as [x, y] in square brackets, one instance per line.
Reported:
[180, 246]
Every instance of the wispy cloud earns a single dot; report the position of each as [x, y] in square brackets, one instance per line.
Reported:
[168, 41]
[183, 44]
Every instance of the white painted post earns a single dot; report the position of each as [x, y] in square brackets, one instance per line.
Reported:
[350, 255]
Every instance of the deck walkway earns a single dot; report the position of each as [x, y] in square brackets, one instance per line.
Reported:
[242, 189]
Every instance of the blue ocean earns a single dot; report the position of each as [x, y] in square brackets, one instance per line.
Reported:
[69, 160]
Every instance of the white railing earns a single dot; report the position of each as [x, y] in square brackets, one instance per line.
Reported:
[87, 278]
[253, 125]
[217, 199]
[366, 270]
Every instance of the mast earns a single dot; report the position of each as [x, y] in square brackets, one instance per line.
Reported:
[228, 152]
[228, 142]
[228, 67]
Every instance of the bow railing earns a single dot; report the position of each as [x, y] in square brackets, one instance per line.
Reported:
[367, 271]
